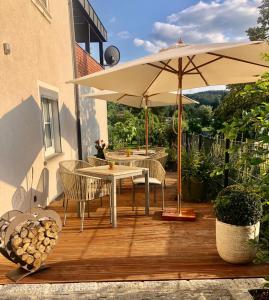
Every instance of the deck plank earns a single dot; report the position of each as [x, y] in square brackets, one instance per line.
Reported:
[140, 248]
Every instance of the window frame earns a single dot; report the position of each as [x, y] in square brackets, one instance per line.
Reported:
[51, 96]
[48, 150]
[43, 8]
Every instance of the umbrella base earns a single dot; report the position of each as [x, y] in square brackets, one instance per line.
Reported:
[171, 214]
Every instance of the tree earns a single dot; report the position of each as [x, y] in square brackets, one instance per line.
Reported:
[261, 32]
[198, 118]
[239, 100]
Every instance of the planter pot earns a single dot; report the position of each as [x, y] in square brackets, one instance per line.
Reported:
[171, 166]
[233, 242]
[100, 154]
[194, 190]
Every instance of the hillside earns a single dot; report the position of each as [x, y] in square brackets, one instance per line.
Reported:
[211, 98]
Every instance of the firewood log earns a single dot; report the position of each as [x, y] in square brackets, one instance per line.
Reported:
[23, 233]
[30, 259]
[37, 254]
[20, 251]
[47, 224]
[43, 256]
[34, 241]
[48, 249]
[52, 243]
[54, 228]
[41, 236]
[41, 229]
[31, 249]
[41, 248]
[16, 242]
[24, 256]
[46, 241]
[26, 240]
[25, 246]
[37, 263]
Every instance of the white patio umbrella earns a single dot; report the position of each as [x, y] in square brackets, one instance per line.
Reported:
[184, 67]
[155, 100]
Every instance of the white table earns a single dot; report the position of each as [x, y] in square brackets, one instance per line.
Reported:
[118, 172]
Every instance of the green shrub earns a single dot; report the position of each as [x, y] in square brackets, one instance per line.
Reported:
[236, 205]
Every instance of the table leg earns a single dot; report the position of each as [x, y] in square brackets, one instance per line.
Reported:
[146, 173]
[114, 202]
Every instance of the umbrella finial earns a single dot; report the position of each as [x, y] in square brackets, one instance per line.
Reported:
[180, 41]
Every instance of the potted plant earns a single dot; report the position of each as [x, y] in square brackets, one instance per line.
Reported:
[100, 146]
[238, 214]
[197, 180]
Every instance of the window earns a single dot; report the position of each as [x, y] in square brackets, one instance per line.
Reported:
[50, 120]
[44, 7]
[44, 3]
[48, 125]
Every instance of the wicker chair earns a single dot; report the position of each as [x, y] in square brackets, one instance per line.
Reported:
[160, 149]
[161, 157]
[83, 188]
[73, 165]
[93, 160]
[156, 177]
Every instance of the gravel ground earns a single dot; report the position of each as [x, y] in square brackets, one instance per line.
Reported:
[223, 289]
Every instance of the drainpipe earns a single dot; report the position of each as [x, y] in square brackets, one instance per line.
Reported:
[76, 88]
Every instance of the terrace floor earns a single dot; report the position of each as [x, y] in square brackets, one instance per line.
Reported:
[140, 248]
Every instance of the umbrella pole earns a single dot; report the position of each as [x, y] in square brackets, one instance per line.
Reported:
[147, 125]
[179, 137]
[179, 214]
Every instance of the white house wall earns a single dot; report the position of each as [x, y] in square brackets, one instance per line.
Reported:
[41, 54]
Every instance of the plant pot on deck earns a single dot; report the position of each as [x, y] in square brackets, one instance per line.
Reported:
[194, 190]
[233, 242]
[171, 165]
[238, 211]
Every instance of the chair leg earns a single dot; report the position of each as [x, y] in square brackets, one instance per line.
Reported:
[65, 210]
[110, 207]
[162, 197]
[82, 215]
[133, 200]
[155, 195]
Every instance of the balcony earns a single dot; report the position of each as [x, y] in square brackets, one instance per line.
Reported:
[85, 17]
[85, 63]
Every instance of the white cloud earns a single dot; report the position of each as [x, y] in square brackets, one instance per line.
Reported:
[124, 35]
[152, 47]
[215, 21]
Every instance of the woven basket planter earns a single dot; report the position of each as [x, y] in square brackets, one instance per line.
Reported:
[233, 242]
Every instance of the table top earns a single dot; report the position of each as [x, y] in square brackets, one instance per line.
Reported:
[118, 170]
[143, 151]
[123, 157]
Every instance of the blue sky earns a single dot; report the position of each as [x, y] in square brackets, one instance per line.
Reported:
[139, 27]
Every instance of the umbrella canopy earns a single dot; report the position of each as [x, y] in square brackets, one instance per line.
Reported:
[163, 99]
[202, 65]
[155, 100]
[184, 67]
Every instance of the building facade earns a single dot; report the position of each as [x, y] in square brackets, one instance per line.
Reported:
[39, 111]
[90, 34]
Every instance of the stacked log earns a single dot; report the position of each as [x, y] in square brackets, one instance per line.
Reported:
[31, 242]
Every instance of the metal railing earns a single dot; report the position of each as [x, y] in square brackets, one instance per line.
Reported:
[92, 14]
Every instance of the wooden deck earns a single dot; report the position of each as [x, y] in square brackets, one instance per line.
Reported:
[140, 248]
